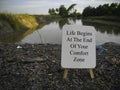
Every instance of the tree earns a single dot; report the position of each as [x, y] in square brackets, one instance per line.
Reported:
[113, 8]
[102, 10]
[70, 9]
[98, 10]
[88, 11]
[105, 9]
[57, 10]
[52, 11]
[118, 10]
[63, 11]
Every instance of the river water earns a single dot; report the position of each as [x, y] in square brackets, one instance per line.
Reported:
[52, 32]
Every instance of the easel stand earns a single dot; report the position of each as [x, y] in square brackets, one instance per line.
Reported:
[90, 71]
[65, 73]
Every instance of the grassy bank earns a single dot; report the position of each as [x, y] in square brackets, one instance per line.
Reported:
[17, 21]
[108, 20]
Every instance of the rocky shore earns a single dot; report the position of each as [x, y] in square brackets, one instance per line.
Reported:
[38, 67]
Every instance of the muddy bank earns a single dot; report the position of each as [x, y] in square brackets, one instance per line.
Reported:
[37, 67]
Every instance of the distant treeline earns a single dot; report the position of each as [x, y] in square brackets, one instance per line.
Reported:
[103, 10]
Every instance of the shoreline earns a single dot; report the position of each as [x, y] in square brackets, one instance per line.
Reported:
[103, 20]
[38, 66]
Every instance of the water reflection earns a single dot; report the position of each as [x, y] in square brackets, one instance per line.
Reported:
[15, 36]
[66, 21]
[63, 22]
[103, 28]
[7, 36]
[51, 32]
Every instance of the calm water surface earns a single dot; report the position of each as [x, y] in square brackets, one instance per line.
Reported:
[52, 33]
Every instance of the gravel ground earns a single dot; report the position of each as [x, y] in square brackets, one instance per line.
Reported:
[38, 67]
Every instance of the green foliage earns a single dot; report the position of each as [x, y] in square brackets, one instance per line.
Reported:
[102, 10]
[10, 18]
[65, 12]
[88, 11]
[52, 11]
[71, 8]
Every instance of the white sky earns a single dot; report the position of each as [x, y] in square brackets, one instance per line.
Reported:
[42, 6]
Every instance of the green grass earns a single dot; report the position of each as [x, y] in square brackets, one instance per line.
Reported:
[18, 21]
[10, 18]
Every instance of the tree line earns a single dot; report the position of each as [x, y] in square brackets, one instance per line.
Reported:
[103, 10]
[65, 12]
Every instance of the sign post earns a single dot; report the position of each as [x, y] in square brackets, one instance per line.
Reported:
[79, 49]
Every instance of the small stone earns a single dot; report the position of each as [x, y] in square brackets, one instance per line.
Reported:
[50, 74]
[19, 47]
[53, 61]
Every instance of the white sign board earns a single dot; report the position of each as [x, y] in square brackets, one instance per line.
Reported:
[78, 48]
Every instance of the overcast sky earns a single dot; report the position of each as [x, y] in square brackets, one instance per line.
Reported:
[42, 6]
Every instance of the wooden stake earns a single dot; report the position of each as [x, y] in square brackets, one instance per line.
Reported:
[91, 73]
[65, 73]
